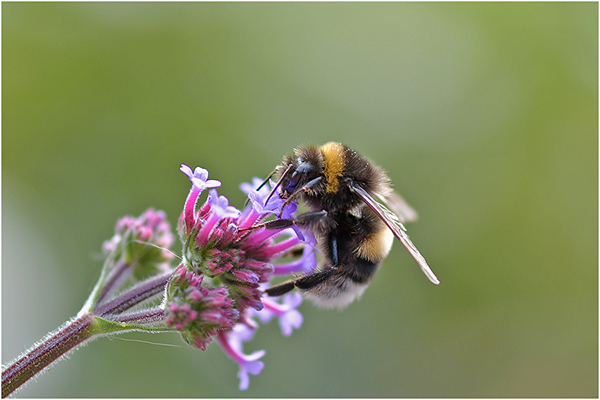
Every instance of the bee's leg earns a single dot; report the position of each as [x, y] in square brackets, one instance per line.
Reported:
[305, 283]
[334, 249]
[299, 220]
[311, 280]
[280, 289]
[308, 219]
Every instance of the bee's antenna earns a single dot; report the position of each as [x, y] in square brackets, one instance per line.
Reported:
[269, 177]
[287, 171]
[264, 182]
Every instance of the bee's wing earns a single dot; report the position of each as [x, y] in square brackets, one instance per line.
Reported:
[400, 207]
[393, 222]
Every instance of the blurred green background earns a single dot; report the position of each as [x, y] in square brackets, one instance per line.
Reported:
[485, 115]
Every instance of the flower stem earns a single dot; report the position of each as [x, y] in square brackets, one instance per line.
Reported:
[116, 274]
[72, 334]
[134, 295]
[50, 349]
[145, 320]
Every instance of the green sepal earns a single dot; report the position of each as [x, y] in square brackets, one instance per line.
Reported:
[102, 326]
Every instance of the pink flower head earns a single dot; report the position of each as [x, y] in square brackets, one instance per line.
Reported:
[239, 255]
[196, 310]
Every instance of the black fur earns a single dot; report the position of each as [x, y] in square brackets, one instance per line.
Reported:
[339, 219]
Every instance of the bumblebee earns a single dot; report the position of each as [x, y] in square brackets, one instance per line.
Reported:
[354, 231]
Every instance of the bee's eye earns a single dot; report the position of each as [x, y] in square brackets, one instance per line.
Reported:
[293, 183]
[298, 177]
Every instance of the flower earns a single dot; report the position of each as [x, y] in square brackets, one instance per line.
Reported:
[199, 177]
[228, 258]
[215, 293]
[138, 250]
[231, 342]
[289, 317]
[198, 311]
[306, 263]
[200, 182]
[144, 239]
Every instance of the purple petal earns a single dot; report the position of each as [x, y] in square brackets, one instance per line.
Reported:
[186, 170]
[291, 319]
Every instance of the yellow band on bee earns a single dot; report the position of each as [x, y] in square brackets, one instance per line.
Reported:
[334, 161]
[376, 246]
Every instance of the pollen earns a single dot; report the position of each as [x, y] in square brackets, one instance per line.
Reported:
[334, 160]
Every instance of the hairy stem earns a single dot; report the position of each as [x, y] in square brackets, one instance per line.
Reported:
[134, 296]
[55, 345]
[145, 317]
[85, 327]
[117, 273]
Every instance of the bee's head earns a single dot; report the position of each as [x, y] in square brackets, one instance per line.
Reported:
[296, 176]
[298, 170]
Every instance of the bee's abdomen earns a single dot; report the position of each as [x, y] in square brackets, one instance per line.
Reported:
[375, 246]
[363, 270]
